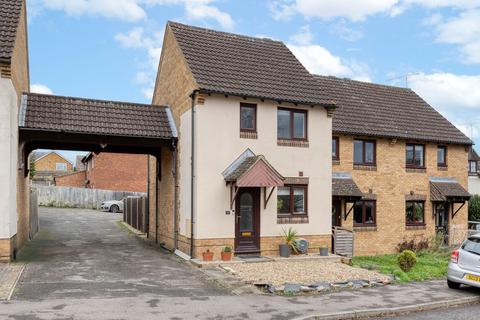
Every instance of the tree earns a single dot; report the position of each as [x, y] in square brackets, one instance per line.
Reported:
[474, 208]
[32, 169]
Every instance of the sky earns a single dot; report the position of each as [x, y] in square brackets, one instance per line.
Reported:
[109, 49]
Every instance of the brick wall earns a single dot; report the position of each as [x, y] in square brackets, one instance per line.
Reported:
[390, 183]
[48, 163]
[75, 179]
[118, 171]
[20, 72]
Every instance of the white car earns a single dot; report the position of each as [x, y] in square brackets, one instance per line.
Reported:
[114, 206]
[464, 266]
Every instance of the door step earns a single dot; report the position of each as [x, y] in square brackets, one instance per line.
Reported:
[252, 258]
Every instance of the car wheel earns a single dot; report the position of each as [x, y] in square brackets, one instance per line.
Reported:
[453, 285]
[114, 208]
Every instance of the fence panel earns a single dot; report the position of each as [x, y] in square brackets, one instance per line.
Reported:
[34, 222]
[135, 212]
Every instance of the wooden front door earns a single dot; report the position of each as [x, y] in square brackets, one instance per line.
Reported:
[247, 221]
[441, 221]
[336, 213]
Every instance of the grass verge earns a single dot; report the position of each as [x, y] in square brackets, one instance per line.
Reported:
[430, 265]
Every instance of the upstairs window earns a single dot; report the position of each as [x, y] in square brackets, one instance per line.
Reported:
[364, 152]
[472, 167]
[291, 124]
[415, 213]
[335, 149]
[60, 166]
[364, 214]
[415, 156]
[442, 156]
[248, 117]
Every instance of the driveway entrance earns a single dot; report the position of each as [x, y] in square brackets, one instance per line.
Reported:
[82, 253]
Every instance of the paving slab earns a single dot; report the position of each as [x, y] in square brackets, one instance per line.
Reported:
[9, 275]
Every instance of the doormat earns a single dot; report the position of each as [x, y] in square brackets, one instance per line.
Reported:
[253, 258]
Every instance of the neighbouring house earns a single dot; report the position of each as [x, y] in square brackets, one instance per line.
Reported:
[473, 172]
[79, 165]
[48, 165]
[116, 171]
[14, 79]
[254, 145]
[399, 167]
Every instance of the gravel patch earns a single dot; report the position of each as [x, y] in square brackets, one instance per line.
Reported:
[302, 272]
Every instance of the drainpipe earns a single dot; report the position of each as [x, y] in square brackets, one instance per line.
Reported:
[156, 197]
[148, 197]
[175, 195]
[192, 177]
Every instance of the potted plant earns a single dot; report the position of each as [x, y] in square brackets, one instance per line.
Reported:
[226, 253]
[207, 255]
[324, 250]
[290, 243]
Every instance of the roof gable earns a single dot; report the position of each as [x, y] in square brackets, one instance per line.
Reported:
[10, 11]
[386, 111]
[232, 64]
[39, 155]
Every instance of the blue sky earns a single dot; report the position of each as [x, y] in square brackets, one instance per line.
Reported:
[109, 49]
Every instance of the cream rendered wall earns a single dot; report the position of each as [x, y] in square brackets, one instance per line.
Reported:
[474, 184]
[8, 165]
[219, 144]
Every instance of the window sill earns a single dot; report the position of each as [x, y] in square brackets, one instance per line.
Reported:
[248, 135]
[416, 227]
[365, 167]
[292, 219]
[442, 168]
[416, 170]
[292, 143]
[336, 162]
[364, 229]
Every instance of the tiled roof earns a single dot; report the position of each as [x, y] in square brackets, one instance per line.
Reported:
[78, 115]
[238, 65]
[473, 155]
[35, 155]
[345, 187]
[10, 11]
[385, 111]
[255, 172]
[241, 168]
[443, 191]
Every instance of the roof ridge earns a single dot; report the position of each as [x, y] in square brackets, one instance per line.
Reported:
[94, 100]
[183, 25]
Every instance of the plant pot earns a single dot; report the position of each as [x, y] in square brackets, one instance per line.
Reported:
[226, 256]
[324, 251]
[285, 250]
[207, 256]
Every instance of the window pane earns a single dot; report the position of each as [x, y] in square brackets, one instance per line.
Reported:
[369, 213]
[299, 200]
[334, 148]
[299, 125]
[419, 156]
[418, 215]
[247, 118]
[472, 245]
[246, 212]
[358, 212]
[358, 151]
[409, 212]
[369, 152]
[409, 154]
[283, 200]
[473, 166]
[283, 120]
[441, 155]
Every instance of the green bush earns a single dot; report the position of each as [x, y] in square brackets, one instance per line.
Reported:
[474, 208]
[407, 260]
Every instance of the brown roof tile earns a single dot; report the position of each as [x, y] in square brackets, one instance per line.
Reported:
[386, 111]
[246, 66]
[345, 187]
[10, 11]
[89, 116]
[444, 191]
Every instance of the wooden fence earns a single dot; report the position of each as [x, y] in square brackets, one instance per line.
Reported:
[69, 197]
[34, 222]
[135, 212]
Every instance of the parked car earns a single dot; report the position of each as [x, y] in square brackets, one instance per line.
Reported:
[114, 206]
[473, 227]
[464, 266]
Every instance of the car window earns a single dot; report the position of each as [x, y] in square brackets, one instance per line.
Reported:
[472, 245]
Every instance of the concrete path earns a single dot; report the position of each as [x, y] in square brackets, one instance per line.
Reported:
[83, 266]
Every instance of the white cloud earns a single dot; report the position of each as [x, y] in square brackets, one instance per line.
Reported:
[345, 32]
[40, 88]
[128, 10]
[199, 10]
[305, 36]
[319, 60]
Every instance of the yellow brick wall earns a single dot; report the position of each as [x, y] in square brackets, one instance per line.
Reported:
[391, 182]
[173, 87]
[48, 163]
[20, 72]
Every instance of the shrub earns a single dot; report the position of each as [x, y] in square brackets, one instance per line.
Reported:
[474, 208]
[227, 249]
[412, 245]
[290, 237]
[407, 260]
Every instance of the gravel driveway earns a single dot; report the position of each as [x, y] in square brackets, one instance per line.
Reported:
[302, 271]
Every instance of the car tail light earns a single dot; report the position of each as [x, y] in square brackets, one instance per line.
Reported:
[454, 258]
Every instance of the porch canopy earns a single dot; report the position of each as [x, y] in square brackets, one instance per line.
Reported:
[68, 123]
[444, 190]
[343, 186]
[249, 171]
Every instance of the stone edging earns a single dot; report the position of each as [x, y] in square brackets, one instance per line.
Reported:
[389, 312]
